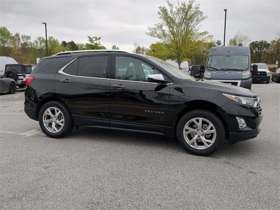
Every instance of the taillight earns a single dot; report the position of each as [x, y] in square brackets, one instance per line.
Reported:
[29, 80]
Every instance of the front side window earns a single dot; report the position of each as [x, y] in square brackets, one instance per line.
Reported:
[128, 68]
[91, 66]
[234, 62]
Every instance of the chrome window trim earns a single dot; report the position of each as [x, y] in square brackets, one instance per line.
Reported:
[61, 71]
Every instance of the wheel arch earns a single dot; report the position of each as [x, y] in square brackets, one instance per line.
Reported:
[52, 98]
[205, 105]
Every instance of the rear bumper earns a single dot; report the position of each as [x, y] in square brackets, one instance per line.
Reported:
[31, 113]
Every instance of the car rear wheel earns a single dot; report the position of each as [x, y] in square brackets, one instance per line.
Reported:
[55, 120]
[12, 88]
[200, 132]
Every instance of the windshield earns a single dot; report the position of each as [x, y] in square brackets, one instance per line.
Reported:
[230, 62]
[262, 66]
[170, 68]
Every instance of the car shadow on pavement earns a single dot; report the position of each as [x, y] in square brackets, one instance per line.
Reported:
[126, 137]
[152, 140]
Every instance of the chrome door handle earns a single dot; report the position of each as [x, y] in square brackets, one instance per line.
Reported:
[118, 86]
[65, 80]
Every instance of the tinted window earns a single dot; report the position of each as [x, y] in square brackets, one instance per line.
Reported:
[72, 68]
[128, 68]
[17, 68]
[174, 71]
[93, 66]
[51, 65]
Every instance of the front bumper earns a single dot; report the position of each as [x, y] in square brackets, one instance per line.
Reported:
[243, 135]
[260, 78]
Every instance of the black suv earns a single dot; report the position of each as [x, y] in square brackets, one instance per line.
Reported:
[120, 90]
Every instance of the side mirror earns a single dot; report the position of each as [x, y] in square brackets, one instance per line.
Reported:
[156, 78]
[254, 68]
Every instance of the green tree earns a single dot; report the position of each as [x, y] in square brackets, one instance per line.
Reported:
[218, 43]
[259, 51]
[274, 51]
[179, 28]
[200, 52]
[239, 40]
[159, 50]
[94, 43]
[5, 36]
[114, 47]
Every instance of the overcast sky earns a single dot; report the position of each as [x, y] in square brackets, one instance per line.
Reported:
[125, 22]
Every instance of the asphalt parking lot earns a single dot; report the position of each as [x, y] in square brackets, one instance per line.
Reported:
[101, 169]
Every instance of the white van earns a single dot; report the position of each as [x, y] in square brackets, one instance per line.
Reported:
[5, 60]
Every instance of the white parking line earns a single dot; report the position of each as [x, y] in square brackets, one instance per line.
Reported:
[33, 132]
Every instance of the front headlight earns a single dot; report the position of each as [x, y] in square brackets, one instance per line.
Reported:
[207, 74]
[241, 99]
[246, 74]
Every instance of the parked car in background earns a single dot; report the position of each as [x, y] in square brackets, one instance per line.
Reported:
[7, 85]
[197, 71]
[4, 60]
[262, 75]
[276, 76]
[126, 91]
[18, 72]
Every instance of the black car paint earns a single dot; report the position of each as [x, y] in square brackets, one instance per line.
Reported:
[139, 106]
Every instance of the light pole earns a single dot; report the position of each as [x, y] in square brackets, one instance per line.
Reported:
[46, 34]
[225, 27]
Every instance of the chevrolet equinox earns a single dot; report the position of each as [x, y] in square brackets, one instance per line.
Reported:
[126, 91]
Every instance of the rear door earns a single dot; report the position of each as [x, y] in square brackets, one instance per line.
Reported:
[83, 85]
[136, 103]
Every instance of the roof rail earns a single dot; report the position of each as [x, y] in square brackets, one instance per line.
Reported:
[87, 51]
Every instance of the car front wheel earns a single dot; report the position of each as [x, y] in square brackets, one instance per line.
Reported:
[55, 120]
[200, 132]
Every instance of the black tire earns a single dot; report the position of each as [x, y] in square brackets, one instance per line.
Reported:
[55, 120]
[267, 81]
[206, 142]
[197, 73]
[12, 88]
[12, 74]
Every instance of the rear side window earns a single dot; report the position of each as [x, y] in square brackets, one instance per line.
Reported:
[52, 65]
[92, 66]
[18, 68]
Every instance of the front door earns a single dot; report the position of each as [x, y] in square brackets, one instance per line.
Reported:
[136, 103]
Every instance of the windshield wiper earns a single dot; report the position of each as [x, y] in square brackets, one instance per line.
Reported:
[232, 69]
[214, 68]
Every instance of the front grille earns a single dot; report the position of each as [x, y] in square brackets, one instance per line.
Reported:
[259, 73]
[232, 83]
[257, 105]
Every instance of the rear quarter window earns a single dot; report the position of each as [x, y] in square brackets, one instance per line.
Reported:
[51, 65]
